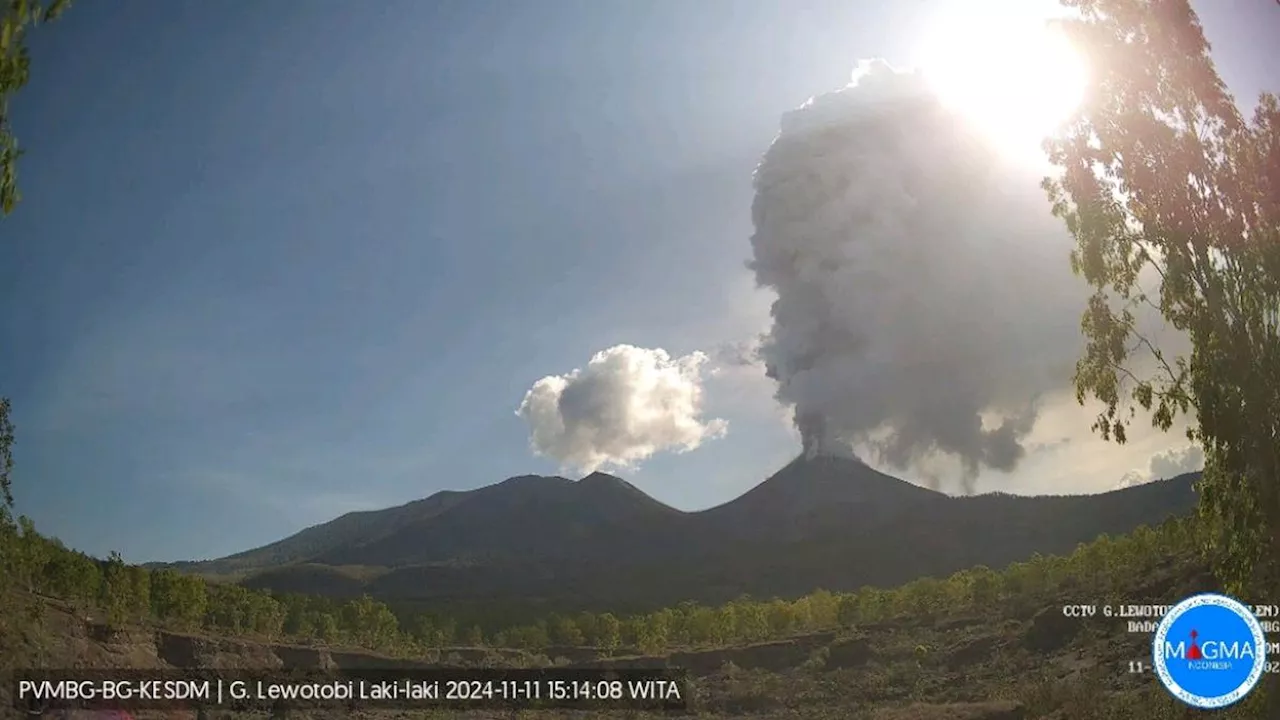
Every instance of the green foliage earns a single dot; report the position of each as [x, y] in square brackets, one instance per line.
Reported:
[608, 632]
[238, 610]
[15, 69]
[528, 637]
[73, 576]
[182, 600]
[1103, 566]
[370, 623]
[128, 593]
[428, 632]
[23, 553]
[1170, 194]
[113, 595]
[6, 454]
[327, 628]
[31, 554]
[474, 637]
[564, 631]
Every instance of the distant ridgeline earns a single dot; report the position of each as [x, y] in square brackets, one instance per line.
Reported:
[881, 531]
[533, 545]
[1104, 570]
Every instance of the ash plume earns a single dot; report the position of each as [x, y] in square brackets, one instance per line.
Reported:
[924, 299]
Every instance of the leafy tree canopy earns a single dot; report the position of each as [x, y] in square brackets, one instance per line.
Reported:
[1173, 197]
[15, 70]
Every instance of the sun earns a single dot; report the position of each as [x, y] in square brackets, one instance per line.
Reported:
[1003, 65]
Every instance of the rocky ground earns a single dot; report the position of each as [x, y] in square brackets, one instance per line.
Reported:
[1028, 663]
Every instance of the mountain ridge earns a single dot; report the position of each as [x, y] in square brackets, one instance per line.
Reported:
[600, 542]
[360, 527]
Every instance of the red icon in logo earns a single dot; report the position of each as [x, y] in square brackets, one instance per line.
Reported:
[1193, 653]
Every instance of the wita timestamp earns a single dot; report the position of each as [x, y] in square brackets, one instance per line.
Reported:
[642, 689]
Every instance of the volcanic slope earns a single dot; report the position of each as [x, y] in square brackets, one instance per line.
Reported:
[600, 543]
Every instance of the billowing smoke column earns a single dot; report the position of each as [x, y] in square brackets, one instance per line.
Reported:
[913, 312]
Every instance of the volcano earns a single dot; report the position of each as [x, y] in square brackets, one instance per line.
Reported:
[601, 543]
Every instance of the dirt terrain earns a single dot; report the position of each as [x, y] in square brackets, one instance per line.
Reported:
[1028, 663]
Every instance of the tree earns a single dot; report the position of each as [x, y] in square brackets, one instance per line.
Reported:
[229, 608]
[181, 599]
[681, 631]
[1173, 199]
[590, 626]
[15, 70]
[72, 575]
[564, 631]
[6, 457]
[30, 554]
[447, 633]
[115, 592]
[750, 622]
[265, 615]
[984, 586]
[782, 617]
[327, 628]
[371, 623]
[528, 637]
[610, 632]
[423, 630]
[822, 606]
[657, 630]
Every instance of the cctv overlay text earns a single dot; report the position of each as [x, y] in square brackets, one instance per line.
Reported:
[1145, 619]
[661, 689]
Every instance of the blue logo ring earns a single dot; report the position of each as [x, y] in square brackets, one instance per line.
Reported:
[1216, 676]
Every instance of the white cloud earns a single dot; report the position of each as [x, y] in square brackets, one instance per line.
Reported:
[1132, 478]
[626, 405]
[1172, 463]
[1167, 464]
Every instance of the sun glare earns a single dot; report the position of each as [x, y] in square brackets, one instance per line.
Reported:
[1002, 65]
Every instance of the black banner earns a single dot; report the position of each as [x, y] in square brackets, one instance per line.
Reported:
[37, 691]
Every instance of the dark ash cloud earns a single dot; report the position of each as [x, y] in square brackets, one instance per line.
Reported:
[924, 298]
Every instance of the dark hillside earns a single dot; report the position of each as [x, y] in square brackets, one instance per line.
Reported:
[810, 496]
[600, 543]
[527, 519]
[350, 530]
[978, 645]
[939, 538]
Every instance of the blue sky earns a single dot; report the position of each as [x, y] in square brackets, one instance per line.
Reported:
[277, 261]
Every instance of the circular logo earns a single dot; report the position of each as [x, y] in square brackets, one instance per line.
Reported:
[1209, 651]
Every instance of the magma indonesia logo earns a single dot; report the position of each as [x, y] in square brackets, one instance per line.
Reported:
[1209, 651]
